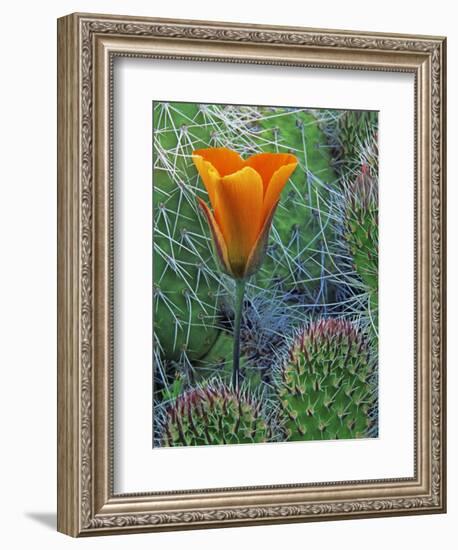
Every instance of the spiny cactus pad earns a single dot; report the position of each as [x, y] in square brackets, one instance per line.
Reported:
[185, 286]
[361, 235]
[353, 136]
[325, 383]
[349, 133]
[295, 260]
[214, 415]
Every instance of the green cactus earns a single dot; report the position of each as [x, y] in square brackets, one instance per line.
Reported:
[218, 360]
[353, 137]
[326, 383]
[322, 254]
[295, 253]
[349, 133]
[188, 289]
[214, 414]
[361, 235]
[185, 287]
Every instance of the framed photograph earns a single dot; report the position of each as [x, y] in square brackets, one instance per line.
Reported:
[251, 290]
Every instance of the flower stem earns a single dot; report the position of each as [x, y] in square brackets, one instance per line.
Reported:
[240, 285]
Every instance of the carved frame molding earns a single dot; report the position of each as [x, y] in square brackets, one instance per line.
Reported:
[87, 45]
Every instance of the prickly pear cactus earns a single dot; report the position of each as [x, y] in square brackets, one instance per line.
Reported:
[296, 253]
[300, 266]
[325, 383]
[184, 321]
[360, 232]
[353, 138]
[214, 415]
[185, 288]
[349, 133]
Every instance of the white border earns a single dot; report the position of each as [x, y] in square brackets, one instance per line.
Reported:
[138, 467]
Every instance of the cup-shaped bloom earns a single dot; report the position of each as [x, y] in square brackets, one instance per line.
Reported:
[244, 194]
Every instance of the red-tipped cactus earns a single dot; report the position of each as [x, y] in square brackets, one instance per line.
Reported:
[213, 415]
[325, 383]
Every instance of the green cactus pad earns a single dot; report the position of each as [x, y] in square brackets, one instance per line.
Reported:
[349, 135]
[295, 259]
[214, 415]
[185, 289]
[361, 235]
[325, 384]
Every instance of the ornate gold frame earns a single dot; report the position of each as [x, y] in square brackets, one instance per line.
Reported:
[87, 44]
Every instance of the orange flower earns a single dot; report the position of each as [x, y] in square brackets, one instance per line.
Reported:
[243, 195]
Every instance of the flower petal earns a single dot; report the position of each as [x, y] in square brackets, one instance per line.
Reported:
[224, 160]
[240, 206]
[258, 251]
[209, 175]
[275, 187]
[266, 164]
[219, 244]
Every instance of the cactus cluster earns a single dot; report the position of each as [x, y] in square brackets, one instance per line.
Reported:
[325, 383]
[215, 414]
[188, 291]
[185, 283]
[309, 324]
[360, 233]
[355, 215]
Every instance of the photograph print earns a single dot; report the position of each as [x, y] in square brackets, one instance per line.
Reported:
[265, 274]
